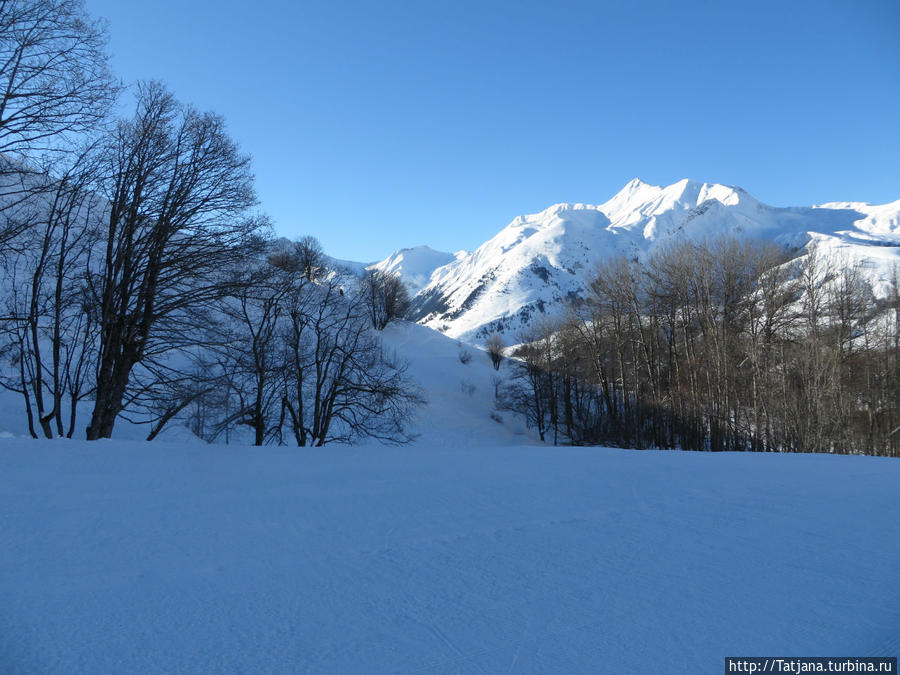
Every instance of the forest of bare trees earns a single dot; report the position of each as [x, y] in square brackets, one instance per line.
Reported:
[297, 361]
[723, 345]
[138, 279]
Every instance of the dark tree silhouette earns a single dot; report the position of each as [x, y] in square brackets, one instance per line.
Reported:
[495, 349]
[179, 192]
[385, 296]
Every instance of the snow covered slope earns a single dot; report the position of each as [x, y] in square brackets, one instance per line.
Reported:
[458, 409]
[414, 265]
[122, 557]
[539, 261]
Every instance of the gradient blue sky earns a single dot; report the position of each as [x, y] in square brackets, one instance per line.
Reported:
[378, 125]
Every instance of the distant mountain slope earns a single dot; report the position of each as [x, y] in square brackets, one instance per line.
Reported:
[538, 262]
[414, 265]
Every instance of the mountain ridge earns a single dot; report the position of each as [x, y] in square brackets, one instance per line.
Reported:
[538, 262]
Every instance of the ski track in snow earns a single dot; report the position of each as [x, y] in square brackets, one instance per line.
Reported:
[140, 558]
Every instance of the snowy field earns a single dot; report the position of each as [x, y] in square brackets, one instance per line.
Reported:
[126, 557]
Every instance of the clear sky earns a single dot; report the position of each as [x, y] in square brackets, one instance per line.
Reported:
[376, 125]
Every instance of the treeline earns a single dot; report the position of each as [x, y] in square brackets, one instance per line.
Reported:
[292, 354]
[723, 345]
[138, 279]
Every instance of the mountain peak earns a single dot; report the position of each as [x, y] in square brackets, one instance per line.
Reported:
[414, 265]
[638, 199]
[540, 262]
[421, 248]
[635, 185]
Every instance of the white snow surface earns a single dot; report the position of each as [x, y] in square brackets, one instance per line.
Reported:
[538, 262]
[414, 265]
[128, 557]
[459, 405]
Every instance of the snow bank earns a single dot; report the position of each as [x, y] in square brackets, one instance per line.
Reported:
[137, 558]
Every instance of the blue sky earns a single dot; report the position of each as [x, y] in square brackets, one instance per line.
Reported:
[378, 125]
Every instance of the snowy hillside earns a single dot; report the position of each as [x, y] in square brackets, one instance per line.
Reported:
[538, 262]
[122, 557]
[414, 265]
[458, 409]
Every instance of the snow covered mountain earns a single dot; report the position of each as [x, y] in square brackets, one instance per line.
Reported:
[538, 262]
[415, 265]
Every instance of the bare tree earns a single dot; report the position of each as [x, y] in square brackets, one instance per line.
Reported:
[55, 85]
[309, 256]
[54, 75]
[768, 330]
[178, 192]
[304, 257]
[495, 349]
[252, 357]
[298, 359]
[46, 302]
[340, 384]
[385, 296]
[532, 389]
